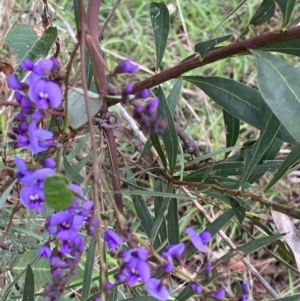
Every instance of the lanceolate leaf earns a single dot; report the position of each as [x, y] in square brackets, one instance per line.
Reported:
[286, 7]
[173, 222]
[267, 136]
[28, 293]
[160, 24]
[291, 159]
[264, 13]
[239, 100]
[288, 298]
[232, 127]
[220, 222]
[170, 135]
[156, 143]
[88, 269]
[282, 93]
[204, 47]
[174, 96]
[288, 47]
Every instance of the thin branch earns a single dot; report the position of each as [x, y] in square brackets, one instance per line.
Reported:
[191, 146]
[219, 54]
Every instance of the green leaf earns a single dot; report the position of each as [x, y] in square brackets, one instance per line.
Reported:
[267, 137]
[113, 294]
[173, 222]
[77, 116]
[28, 294]
[57, 193]
[174, 96]
[282, 93]
[291, 159]
[241, 101]
[41, 268]
[288, 47]
[232, 125]
[231, 168]
[239, 210]
[158, 202]
[264, 13]
[143, 298]
[24, 43]
[6, 193]
[156, 143]
[155, 193]
[169, 136]
[286, 7]
[267, 158]
[159, 219]
[160, 20]
[21, 272]
[185, 294]
[220, 222]
[88, 269]
[141, 207]
[215, 153]
[72, 173]
[204, 47]
[288, 298]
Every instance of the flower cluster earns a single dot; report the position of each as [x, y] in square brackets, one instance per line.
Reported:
[146, 115]
[65, 226]
[35, 96]
[136, 265]
[40, 92]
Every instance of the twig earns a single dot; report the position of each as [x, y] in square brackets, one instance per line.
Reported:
[251, 268]
[191, 146]
[219, 54]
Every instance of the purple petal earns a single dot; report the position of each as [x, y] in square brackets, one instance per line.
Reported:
[196, 288]
[66, 235]
[60, 217]
[27, 65]
[205, 236]
[32, 198]
[220, 294]
[155, 288]
[43, 66]
[54, 94]
[174, 251]
[145, 93]
[14, 83]
[245, 288]
[112, 239]
[44, 251]
[151, 107]
[196, 239]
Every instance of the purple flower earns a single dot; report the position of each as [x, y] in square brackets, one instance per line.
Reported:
[196, 288]
[32, 197]
[45, 94]
[167, 268]
[112, 239]
[126, 67]
[22, 168]
[39, 140]
[37, 177]
[151, 107]
[127, 89]
[49, 163]
[220, 294]
[174, 251]
[207, 269]
[205, 236]
[141, 254]
[245, 288]
[145, 93]
[27, 65]
[43, 66]
[109, 286]
[197, 240]
[14, 83]
[138, 269]
[45, 251]
[156, 289]
[244, 298]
